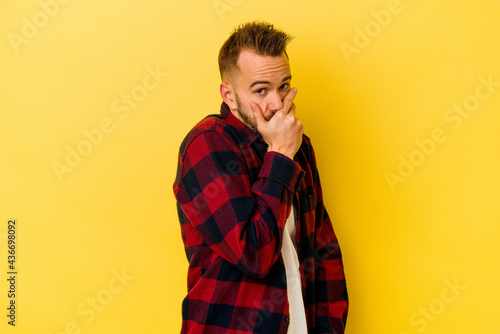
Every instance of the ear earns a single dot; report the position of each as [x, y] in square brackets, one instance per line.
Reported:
[228, 94]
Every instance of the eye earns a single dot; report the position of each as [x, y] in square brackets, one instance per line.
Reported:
[260, 91]
[284, 86]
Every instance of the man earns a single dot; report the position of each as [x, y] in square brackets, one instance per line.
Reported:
[263, 257]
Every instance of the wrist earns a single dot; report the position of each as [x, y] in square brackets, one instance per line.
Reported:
[284, 152]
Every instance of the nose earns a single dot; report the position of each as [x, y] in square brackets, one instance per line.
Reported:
[275, 102]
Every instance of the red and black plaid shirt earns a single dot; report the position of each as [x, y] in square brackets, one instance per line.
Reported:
[233, 199]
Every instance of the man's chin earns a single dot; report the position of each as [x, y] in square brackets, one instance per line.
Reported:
[247, 121]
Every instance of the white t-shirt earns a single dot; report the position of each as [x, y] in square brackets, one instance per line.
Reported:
[297, 323]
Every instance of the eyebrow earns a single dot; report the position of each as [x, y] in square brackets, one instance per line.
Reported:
[267, 82]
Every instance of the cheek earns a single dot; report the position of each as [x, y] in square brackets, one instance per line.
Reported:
[247, 101]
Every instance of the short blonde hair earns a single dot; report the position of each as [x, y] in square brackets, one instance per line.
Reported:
[259, 37]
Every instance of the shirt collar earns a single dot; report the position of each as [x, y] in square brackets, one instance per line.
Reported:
[248, 133]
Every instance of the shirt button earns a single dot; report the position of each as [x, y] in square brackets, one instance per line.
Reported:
[287, 319]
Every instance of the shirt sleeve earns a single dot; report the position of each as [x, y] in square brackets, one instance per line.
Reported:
[240, 221]
[331, 291]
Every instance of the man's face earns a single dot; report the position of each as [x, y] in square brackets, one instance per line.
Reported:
[263, 80]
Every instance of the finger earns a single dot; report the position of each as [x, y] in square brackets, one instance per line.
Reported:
[288, 100]
[258, 114]
[291, 111]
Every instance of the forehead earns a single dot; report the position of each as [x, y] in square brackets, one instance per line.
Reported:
[256, 67]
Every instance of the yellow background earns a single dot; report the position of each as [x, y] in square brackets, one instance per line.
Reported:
[115, 211]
